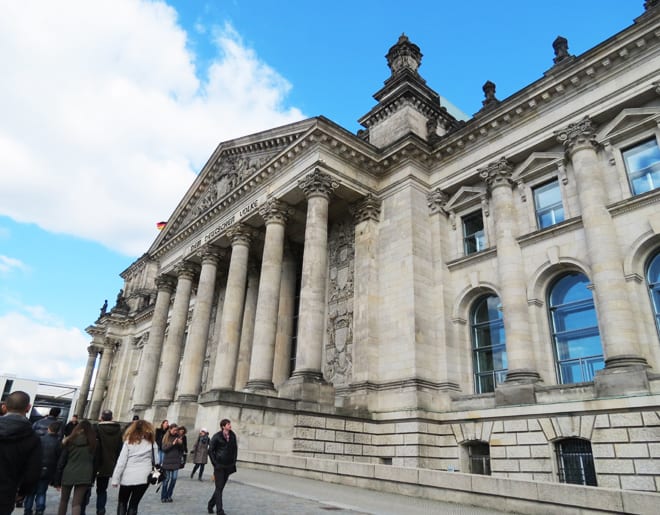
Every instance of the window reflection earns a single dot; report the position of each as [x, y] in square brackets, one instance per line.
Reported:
[488, 344]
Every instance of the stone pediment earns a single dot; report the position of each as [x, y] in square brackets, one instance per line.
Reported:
[628, 122]
[226, 177]
[536, 165]
[465, 197]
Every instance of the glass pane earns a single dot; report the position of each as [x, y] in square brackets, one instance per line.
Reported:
[485, 383]
[570, 288]
[578, 347]
[547, 195]
[653, 274]
[488, 342]
[643, 166]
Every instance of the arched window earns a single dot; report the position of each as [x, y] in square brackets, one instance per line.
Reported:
[578, 349]
[653, 280]
[488, 344]
[575, 462]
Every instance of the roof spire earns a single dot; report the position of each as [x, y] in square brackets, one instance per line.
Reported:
[404, 56]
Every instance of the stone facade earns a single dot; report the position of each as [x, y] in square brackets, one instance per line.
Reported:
[468, 296]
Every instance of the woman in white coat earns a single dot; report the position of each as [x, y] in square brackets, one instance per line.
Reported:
[134, 465]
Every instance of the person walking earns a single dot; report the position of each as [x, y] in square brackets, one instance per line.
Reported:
[160, 433]
[20, 452]
[200, 453]
[41, 426]
[183, 432]
[71, 425]
[223, 452]
[134, 465]
[75, 469]
[109, 435]
[172, 456]
[51, 447]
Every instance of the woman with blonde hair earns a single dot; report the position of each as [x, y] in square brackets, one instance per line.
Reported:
[134, 465]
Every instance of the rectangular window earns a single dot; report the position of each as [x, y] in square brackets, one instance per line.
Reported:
[473, 233]
[643, 166]
[548, 204]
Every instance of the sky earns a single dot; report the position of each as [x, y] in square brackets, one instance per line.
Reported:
[109, 109]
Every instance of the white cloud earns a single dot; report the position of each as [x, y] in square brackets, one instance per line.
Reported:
[8, 264]
[41, 348]
[105, 120]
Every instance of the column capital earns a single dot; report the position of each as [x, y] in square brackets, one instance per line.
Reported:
[275, 211]
[211, 254]
[186, 269]
[366, 209]
[436, 200]
[240, 234]
[497, 173]
[92, 351]
[317, 184]
[166, 282]
[578, 135]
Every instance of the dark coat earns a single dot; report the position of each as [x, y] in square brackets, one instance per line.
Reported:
[20, 459]
[224, 453]
[172, 454]
[51, 446]
[109, 438]
[41, 426]
[76, 464]
[160, 433]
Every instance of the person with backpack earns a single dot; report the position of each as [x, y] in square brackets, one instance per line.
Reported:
[51, 447]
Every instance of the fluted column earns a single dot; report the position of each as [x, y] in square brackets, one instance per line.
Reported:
[520, 354]
[86, 382]
[101, 381]
[171, 355]
[275, 213]
[317, 187]
[232, 310]
[150, 360]
[615, 317]
[194, 353]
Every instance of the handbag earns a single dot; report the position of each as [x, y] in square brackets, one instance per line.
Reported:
[156, 475]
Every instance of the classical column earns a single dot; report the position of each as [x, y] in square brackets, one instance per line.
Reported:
[365, 311]
[615, 318]
[171, 355]
[145, 382]
[520, 354]
[247, 329]
[232, 310]
[193, 356]
[275, 214]
[285, 313]
[87, 379]
[101, 381]
[317, 187]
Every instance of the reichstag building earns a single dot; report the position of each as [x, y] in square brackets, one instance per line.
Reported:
[476, 296]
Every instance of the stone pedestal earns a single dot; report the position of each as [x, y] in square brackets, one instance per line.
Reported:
[626, 379]
[511, 394]
[309, 387]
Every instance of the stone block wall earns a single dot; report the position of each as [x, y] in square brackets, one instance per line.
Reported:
[625, 446]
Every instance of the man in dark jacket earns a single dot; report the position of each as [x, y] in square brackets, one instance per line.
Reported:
[223, 452]
[108, 433]
[41, 426]
[20, 452]
[51, 447]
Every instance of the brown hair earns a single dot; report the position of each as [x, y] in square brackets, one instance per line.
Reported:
[84, 427]
[138, 431]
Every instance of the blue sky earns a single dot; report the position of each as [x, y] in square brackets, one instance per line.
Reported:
[110, 108]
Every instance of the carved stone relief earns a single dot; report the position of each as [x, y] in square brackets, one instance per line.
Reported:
[341, 262]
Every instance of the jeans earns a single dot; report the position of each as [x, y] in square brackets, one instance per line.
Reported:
[168, 484]
[161, 455]
[37, 497]
[101, 493]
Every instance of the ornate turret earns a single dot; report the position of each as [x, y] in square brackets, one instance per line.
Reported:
[406, 105]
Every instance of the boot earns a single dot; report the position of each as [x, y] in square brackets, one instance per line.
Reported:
[132, 511]
[121, 509]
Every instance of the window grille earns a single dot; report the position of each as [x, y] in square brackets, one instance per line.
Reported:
[575, 462]
[479, 456]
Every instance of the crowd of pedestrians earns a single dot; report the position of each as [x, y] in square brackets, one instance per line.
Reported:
[75, 457]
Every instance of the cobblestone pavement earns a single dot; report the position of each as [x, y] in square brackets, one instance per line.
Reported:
[258, 492]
